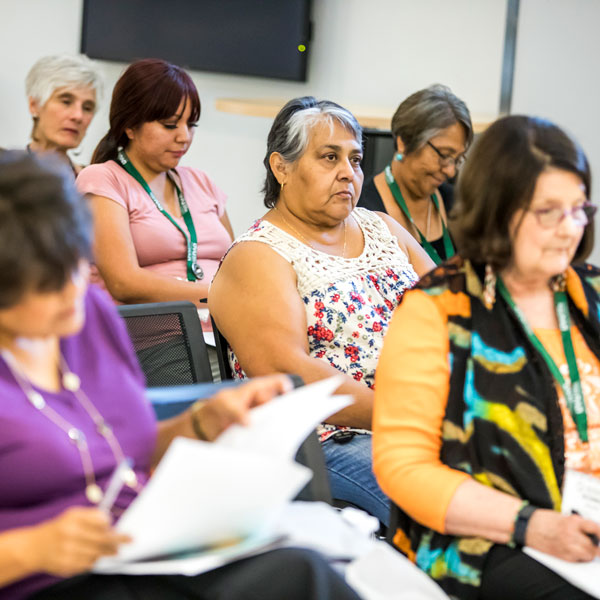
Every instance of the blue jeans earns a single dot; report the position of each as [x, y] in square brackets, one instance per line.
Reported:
[350, 468]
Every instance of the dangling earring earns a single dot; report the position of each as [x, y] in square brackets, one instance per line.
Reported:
[558, 283]
[281, 189]
[398, 156]
[489, 287]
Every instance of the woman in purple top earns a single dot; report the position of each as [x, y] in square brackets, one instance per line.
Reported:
[72, 406]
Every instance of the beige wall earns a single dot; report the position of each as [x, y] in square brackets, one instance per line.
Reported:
[556, 74]
[364, 53]
[371, 53]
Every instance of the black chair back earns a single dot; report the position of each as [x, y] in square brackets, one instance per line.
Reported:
[168, 340]
[221, 346]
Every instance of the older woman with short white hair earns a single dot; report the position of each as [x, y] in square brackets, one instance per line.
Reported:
[63, 93]
[310, 288]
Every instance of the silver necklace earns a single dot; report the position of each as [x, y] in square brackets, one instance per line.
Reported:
[307, 241]
[71, 382]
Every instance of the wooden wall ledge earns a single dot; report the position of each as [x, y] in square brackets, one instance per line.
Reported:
[371, 117]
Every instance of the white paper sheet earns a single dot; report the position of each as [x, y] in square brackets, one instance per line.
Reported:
[280, 426]
[327, 530]
[585, 576]
[202, 494]
[375, 571]
[581, 494]
[193, 563]
[384, 574]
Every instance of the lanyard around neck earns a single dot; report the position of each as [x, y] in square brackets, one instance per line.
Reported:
[573, 392]
[194, 270]
[433, 254]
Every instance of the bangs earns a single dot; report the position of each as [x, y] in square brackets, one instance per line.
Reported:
[176, 86]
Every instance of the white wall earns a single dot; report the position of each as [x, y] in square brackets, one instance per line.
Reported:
[364, 52]
[556, 72]
[369, 53]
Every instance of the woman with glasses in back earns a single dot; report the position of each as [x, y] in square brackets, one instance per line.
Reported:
[488, 385]
[432, 131]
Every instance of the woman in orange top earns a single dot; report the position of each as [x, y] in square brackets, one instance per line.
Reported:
[474, 422]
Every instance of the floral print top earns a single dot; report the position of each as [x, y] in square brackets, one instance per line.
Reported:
[349, 301]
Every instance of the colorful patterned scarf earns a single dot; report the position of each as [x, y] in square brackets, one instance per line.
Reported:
[503, 424]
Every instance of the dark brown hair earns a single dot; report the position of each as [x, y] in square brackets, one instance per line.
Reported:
[45, 225]
[149, 90]
[499, 179]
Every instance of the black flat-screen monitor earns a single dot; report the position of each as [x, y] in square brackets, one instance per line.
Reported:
[265, 38]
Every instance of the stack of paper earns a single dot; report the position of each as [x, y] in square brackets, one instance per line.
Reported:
[204, 495]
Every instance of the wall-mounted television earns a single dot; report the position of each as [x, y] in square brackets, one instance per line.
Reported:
[264, 38]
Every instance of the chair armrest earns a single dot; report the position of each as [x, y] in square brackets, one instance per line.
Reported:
[171, 400]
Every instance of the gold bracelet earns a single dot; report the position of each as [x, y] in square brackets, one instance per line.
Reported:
[198, 431]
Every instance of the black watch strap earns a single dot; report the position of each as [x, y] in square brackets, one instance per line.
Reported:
[521, 523]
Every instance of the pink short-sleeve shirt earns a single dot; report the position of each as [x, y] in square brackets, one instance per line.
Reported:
[159, 245]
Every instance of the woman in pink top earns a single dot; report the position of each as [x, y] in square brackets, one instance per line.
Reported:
[160, 230]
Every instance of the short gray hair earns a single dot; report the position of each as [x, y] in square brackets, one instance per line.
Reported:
[62, 70]
[290, 134]
[426, 113]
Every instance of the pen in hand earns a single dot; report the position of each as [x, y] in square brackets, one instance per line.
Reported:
[115, 483]
[593, 537]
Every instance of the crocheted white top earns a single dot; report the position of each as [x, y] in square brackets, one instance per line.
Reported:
[349, 301]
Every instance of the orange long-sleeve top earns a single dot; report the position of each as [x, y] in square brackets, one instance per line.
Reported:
[411, 393]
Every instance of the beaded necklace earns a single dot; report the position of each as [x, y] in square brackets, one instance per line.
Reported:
[71, 382]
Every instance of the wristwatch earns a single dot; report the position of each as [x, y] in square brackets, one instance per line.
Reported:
[521, 523]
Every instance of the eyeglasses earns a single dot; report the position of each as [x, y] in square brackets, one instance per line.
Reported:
[551, 217]
[446, 160]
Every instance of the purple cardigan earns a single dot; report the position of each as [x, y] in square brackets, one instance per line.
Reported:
[40, 469]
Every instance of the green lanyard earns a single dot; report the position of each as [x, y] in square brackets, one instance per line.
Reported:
[573, 392]
[448, 247]
[194, 270]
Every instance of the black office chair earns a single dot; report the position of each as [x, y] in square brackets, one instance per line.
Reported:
[168, 340]
[221, 347]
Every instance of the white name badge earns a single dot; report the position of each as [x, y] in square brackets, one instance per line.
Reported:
[581, 494]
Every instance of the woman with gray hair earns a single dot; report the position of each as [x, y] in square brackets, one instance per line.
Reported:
[62, 91]
[310, 288]
[432, 131]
